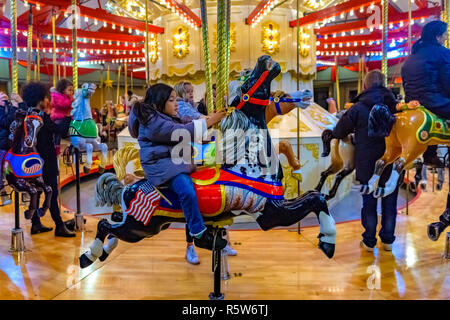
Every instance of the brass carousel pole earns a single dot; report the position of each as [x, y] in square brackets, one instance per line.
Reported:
[118, 84]
[409, 26]
[384, 68]
[30, 43]
[38, 58]
[447, 19]
[131, 80]
[298, 88]
[206, 56]
[228, 52]
[74, 46]
[147, 61]
[126, 78]
[55, 67]
[221, 53]
[359, 73]
[338, 92]
[14, 66]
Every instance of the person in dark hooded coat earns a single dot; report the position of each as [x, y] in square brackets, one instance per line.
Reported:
[426, 77]
[367, 151]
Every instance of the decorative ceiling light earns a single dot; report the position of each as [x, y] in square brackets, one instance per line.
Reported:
[256, 16]
[105, 24]
[180, 38]
[304, 45]
[270, 39]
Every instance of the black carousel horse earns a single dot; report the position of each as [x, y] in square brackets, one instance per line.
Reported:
[22, 163]
[242, 185]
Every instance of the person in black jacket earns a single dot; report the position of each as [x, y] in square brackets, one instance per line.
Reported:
[426, 77]
[36, 95]
[367, 151]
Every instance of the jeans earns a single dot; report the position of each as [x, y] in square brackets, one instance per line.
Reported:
[182, 185]
[369, 218]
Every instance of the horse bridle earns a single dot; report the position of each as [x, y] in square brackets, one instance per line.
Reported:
[247, 97]
[277, 101]
[25, 122]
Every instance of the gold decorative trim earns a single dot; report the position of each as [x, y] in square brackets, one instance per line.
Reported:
[209, 181]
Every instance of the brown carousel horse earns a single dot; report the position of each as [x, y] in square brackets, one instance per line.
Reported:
[408, 134]
[237, 186]
[23, 165]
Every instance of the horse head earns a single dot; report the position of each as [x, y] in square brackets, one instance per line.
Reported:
[302, 98]
[81, 108]
[253, 96]
[25, 128]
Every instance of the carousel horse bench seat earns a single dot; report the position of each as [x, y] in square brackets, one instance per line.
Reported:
[433, 127]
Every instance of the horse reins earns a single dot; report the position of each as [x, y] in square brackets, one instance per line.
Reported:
[247, 97]
[25, 122]
[277, 101]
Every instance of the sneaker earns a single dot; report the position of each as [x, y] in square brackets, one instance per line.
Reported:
[387, 246]
[191, 255]
[423, 186]
[229, 251]
[363, 245]
[206, 241]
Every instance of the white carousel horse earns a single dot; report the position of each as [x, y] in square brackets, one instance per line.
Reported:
[83, 130]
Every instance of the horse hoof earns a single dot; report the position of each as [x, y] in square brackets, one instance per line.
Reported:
[103, 256]
[434, 231]
[379, 193]
[364, 189]
[327, 248]
[101, 170]
[86, 170]
[439, 187]
[328, 197]
[85, 261]
[41, 212]
[28, 214]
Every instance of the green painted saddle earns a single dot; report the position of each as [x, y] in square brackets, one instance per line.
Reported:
[432, 127]
[83, 128]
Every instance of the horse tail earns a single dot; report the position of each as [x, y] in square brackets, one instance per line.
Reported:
[327, 136]
[108, 190]
[122, 157]
[381, 121]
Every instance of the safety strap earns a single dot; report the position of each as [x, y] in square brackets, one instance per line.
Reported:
[248, 96]
[277, 101]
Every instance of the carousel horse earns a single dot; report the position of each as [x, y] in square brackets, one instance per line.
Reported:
[342, 161]
[408, 134]
[83, 130]
[22, 163]
[246, 187]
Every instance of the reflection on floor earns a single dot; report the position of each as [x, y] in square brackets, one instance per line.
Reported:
[276, 264]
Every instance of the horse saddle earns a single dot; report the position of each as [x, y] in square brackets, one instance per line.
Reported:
[209, 184]
[23, 165]
[83, 128]
[433, 127]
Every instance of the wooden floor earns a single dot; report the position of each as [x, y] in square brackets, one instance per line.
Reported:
[269, 265]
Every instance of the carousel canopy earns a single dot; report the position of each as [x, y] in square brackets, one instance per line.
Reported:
[113, 31]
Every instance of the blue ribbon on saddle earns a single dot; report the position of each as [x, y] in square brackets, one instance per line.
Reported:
[277, 101]
[25, 165]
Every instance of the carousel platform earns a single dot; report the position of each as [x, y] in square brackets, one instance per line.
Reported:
[276, 264]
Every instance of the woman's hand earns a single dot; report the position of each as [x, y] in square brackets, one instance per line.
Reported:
[413, 104]
[214, 118]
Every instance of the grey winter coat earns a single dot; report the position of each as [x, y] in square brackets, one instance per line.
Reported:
[156, 146]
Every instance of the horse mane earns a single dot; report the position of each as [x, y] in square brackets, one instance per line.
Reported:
[17, 132]
[229, 148]
[122, 157]
[381, 121]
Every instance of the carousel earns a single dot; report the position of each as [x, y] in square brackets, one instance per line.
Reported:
[283, 72]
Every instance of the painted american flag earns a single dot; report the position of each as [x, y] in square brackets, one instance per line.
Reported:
[144, 203]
